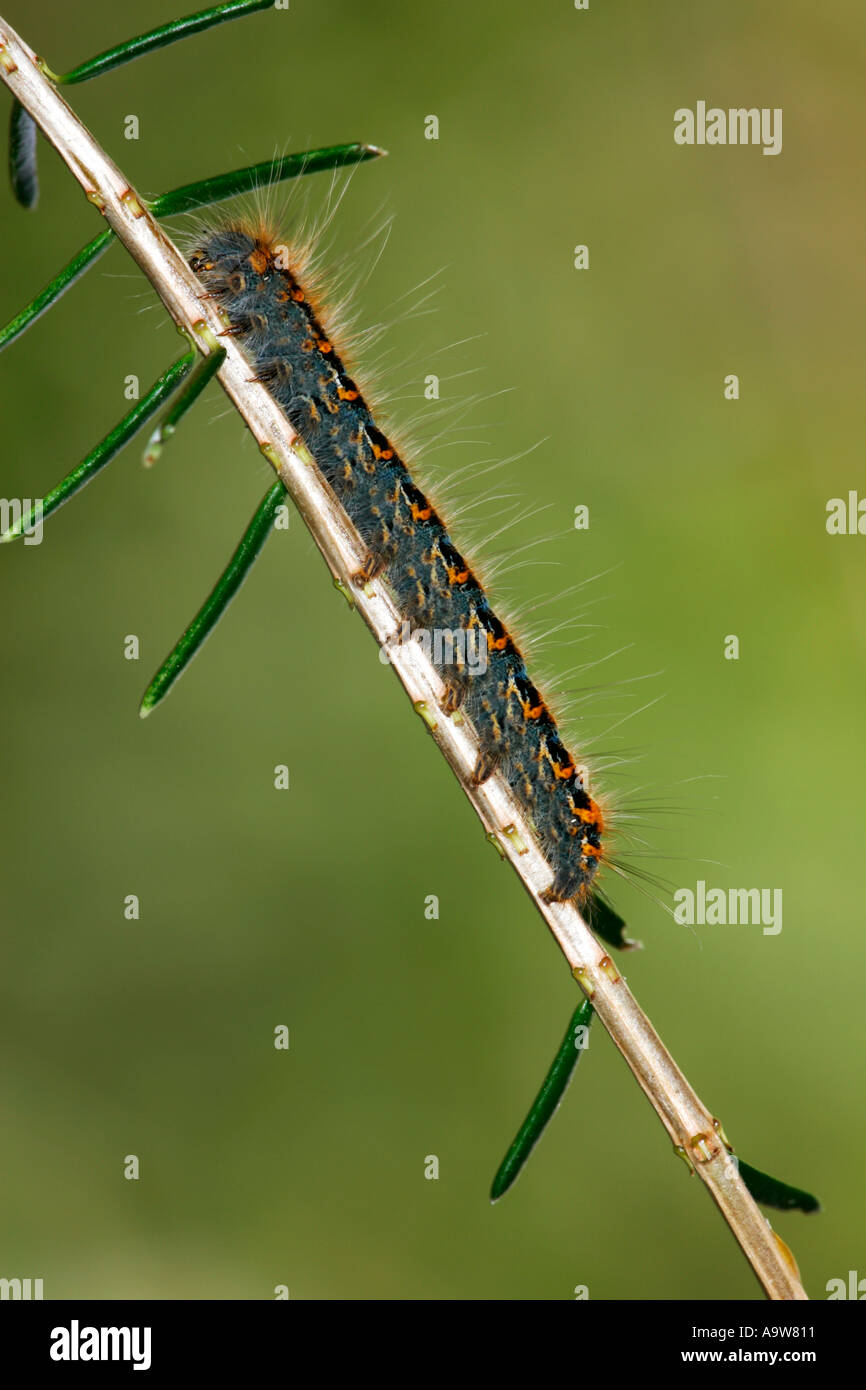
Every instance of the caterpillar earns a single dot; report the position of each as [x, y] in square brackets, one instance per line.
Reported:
[271, 308]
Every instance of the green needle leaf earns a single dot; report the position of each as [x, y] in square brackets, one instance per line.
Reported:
[205, 191]
[204, 371]
[218, 600]
[770, 1192]
[104, 451]
[545, 1103]
[58, 286]
[607, 924]
[23, 170]
[159, 38]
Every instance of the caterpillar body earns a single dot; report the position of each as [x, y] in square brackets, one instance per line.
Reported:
[273, 312]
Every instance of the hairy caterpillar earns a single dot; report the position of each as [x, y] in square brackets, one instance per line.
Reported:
[262, 289]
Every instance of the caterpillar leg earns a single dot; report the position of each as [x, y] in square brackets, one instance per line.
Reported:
[303, 412]
[485, 767]
[371, 569]
[455, 692]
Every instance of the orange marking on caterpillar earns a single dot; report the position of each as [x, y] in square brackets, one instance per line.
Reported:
[531, 711]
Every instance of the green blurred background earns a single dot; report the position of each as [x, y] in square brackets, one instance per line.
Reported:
[306, 908]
